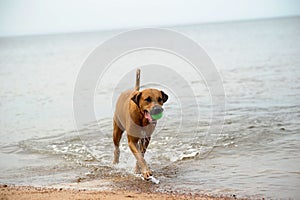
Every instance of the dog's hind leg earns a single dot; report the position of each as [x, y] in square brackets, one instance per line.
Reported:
[117, 135]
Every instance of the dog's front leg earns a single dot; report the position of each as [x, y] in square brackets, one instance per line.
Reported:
[142, 145]
[133, 145]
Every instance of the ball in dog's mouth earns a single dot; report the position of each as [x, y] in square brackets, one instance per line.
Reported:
[156, 112]
[152, 117]
[157, 116]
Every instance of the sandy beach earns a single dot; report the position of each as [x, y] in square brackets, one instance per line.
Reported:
[28, 192]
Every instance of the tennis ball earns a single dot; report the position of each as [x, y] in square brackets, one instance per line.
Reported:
[157, 116]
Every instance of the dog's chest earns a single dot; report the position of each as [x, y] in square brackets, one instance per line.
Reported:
[148, 130]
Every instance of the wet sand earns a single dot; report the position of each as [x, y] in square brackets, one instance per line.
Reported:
[29, 192]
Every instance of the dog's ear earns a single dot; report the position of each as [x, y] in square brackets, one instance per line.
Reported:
[136, 98]
[164, 96]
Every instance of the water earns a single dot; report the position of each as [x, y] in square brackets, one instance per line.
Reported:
[257, 154]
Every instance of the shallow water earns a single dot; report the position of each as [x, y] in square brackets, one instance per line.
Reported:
[256, 155]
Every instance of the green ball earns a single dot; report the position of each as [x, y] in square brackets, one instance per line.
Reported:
[157, 116]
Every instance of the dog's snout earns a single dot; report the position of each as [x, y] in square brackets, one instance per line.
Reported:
[156, 110]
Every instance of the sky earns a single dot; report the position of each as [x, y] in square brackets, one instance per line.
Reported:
[35, 17]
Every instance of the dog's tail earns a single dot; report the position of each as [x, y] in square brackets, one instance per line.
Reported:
[137, 80]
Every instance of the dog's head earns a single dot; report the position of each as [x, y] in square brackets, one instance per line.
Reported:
[149, 101]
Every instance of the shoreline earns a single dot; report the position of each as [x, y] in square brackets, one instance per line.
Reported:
[51, 193]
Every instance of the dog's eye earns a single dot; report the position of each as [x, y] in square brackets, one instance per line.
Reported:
[148, 99]
[159, 99]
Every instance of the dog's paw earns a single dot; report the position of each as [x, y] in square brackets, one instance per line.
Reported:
[147, 174]
[151, 178]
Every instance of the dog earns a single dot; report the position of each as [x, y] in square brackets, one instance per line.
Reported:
[132, 114]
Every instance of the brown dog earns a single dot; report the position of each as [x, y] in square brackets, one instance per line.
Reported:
[132, 115]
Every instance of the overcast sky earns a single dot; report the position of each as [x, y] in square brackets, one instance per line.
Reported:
[32, 17]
